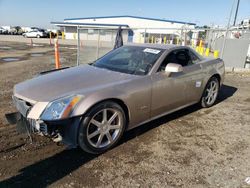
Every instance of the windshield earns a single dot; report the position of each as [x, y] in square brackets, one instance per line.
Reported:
[130, 59]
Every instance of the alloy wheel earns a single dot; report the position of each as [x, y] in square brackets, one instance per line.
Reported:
[211, 92]
[104, 127]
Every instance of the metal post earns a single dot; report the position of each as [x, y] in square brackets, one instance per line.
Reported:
[112, 36]
[98, 41]
[145, 36]
[236, 12]
[78, 46]
[209, 38]
[228, 25]
[181, 38]
[185, 37]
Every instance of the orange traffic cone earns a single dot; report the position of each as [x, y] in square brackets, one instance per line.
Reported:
[57, 58]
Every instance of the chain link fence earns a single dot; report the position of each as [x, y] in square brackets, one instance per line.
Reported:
[234, 48]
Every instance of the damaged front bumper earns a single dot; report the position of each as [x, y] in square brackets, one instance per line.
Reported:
[58, 130]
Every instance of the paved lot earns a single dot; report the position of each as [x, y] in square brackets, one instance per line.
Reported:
[193, 147]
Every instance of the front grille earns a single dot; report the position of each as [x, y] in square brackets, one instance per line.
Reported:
[44, 128]
[30, 125]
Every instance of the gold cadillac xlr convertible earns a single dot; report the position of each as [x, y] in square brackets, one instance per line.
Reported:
[91, 105]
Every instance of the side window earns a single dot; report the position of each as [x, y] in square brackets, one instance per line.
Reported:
[180, 57]
[169, 59]
[194, 58]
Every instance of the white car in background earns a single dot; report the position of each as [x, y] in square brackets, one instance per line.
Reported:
[38, 33]
[3, 31]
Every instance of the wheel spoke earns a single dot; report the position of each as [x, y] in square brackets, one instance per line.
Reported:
[112, 118]
[96, 123]
[215, 91]
[104, 115]
[114, 127]
[214, 86]
[210, 99]
[95, 133]
[99, 141]
[110, 139]
[207, 98]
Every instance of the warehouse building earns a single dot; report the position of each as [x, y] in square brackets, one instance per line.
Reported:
[135, 29]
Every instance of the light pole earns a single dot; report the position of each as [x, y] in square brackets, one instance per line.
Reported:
[228, 25]
[236, 12]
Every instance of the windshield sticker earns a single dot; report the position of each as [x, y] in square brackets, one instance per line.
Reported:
[150, 50]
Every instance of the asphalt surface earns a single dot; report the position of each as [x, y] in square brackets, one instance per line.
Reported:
[193, 147]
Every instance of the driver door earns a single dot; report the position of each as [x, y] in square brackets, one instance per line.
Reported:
[168, 93]
[177, 90]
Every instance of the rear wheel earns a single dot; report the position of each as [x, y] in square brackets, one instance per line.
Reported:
[101, 128]
[38, 36]
[210, 93]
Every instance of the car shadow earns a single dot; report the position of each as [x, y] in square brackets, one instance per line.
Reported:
[52, 169]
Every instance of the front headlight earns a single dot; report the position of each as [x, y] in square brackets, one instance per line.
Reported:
[61, 108]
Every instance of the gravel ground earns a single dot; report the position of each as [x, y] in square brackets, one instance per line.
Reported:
[193, 147]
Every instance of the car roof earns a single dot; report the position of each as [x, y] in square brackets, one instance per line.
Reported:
[160, 46]
[164, 47]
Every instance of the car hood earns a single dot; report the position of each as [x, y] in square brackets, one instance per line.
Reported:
[76, 80]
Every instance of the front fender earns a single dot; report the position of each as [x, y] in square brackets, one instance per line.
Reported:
[92, 99]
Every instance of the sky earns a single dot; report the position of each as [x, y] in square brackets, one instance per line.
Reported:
[41, 12]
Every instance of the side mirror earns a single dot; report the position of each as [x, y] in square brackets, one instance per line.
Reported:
[173, 67]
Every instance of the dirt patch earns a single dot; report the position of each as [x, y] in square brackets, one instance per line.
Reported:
[193, 147]
[36, 54]
[10, 59]
[247, 100]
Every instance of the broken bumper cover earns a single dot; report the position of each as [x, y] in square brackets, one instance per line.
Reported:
[58, 130]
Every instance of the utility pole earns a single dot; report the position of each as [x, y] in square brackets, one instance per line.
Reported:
[228, 25]
[236, 12]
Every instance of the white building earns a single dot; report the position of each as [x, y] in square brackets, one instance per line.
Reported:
[135, 29]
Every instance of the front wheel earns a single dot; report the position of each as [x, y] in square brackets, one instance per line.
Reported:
[210, 93]
[38, 36]
[102, 127]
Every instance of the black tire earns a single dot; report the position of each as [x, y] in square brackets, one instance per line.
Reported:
[38, 36]
[83, 141]
[204, 99]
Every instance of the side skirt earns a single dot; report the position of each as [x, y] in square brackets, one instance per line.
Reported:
[164, 114]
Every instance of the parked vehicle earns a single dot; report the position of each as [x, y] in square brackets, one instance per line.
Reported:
[37, 33]
[92, 105]
[3, 31]
[54, 33]
[19, 30]
[16, 30]
[7, 29]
